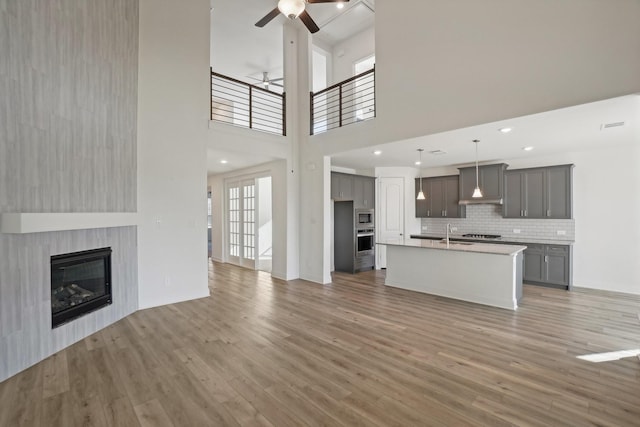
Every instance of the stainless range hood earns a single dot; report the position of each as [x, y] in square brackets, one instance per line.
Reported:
[491, 182]
[481, 201]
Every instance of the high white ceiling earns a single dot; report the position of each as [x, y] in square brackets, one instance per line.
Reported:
[241, 50]
[569, 129]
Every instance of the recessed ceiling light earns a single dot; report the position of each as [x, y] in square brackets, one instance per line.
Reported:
[377, 152]
[505, 130]
[418, 163]
[224, 162]
[527, 148]
[340, 5]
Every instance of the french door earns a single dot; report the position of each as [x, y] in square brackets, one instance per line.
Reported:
[242, 232]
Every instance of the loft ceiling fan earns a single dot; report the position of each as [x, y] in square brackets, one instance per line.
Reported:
[293, 9]
[266, 81]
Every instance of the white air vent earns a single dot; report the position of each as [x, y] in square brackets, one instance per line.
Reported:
[611, 125]
[437, 152]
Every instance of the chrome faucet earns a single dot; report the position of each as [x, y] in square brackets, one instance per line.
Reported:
[448, 231]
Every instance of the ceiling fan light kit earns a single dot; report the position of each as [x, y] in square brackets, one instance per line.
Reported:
[293, 9]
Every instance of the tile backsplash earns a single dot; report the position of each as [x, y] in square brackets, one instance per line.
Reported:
[487, 219]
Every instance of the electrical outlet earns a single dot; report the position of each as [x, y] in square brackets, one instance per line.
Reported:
[516, 231]
[454, 228]
[561, 233]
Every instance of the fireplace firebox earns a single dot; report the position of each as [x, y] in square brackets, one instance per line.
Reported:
[80, 283]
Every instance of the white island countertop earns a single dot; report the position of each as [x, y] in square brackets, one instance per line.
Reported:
[485, 248]
[483, 273]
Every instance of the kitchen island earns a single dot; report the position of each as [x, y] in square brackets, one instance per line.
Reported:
[482, 273]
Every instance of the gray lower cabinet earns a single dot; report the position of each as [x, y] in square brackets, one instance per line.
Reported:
[538, 193]
[548, 265]
[441, 198]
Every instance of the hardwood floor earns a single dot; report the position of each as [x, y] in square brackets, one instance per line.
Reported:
[263, 352]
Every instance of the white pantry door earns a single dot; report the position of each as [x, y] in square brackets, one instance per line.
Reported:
[390, 214]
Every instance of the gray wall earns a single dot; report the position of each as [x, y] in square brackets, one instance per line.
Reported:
[68, 79]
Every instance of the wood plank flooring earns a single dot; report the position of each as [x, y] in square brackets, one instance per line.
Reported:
[263, 352]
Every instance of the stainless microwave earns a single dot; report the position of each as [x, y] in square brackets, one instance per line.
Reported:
[364, 218]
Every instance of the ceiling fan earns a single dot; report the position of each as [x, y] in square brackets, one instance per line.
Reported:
[266, 81]
[293, 9]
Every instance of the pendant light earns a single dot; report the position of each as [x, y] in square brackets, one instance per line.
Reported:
[420, 193]
[476, 192]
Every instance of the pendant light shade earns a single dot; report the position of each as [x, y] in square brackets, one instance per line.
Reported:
[420, 193]
[476, 192]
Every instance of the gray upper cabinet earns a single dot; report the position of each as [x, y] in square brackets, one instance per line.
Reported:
[559, 191]
[441, 198]
[363, 192]
[538, 192]
[490, 180]
[341, 186]
[360, 189]
[524, 193]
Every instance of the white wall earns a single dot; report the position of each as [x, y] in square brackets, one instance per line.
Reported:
[445, 65]
[347, 53]
[606, 185]
[173, 109]
[278, 172]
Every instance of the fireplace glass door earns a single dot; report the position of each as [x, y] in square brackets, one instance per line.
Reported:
[80, 283]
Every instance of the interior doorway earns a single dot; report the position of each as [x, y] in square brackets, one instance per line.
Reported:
[249, 223]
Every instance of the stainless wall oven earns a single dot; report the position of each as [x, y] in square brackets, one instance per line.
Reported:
[365, 241]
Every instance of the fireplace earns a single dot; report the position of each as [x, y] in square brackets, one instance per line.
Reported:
[80, 283]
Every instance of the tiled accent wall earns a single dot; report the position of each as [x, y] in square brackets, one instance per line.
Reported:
[68, 108]
[487, 219]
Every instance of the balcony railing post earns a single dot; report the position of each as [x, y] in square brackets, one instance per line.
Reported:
[375, 110]
[311, 124]
[211, 93]
[250, 107]
[284, 114]
[340, 106]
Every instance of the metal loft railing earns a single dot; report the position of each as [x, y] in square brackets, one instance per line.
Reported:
[350, 101]
[241, 104]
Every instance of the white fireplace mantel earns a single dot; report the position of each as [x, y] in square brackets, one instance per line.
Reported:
[22, 223]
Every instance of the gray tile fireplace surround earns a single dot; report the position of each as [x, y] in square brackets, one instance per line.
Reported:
[488, 219]
[26, 336]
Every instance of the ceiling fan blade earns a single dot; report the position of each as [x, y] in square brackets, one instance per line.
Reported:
[268, 17]
[327, 1]
[308, 22]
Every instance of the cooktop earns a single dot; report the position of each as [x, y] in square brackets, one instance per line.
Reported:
[481, 236]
